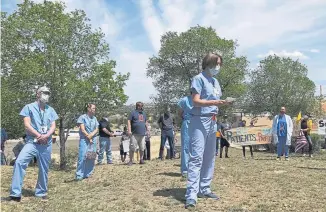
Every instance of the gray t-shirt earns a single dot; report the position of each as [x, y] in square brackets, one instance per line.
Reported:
[167, 122]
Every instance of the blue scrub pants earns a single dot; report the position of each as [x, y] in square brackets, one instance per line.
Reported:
[184, 146]
[43, 155]
[105, 144]
[85, 167]
[282, 145]
[202, 147]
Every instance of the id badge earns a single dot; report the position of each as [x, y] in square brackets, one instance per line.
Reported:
[216, 93]
[44, 129]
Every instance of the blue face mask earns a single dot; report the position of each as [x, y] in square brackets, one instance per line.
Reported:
[214, 71]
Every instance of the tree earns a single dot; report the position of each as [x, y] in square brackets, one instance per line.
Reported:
[278, 82]
[180, 58]
[43, 45]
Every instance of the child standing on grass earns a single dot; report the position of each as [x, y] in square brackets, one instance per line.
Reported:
[124, 137]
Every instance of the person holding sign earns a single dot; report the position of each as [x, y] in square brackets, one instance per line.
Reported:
[306, 126]
[124, 138]
[88, 129]
[282, 133]
[39, 121]
[206, 93]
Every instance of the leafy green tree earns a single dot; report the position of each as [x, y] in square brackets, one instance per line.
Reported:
[180, 58]
[278, 82]
[43, 45]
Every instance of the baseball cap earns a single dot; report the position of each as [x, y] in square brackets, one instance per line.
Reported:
[43, 89]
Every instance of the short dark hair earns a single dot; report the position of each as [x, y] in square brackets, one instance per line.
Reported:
[139, 104]
[88, 105]
[210, 60]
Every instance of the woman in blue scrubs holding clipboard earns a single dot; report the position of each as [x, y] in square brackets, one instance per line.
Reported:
[206, 93]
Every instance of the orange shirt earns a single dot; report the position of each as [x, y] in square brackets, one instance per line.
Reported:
[218, 134]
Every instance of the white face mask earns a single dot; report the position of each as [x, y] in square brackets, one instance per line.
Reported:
[214, 71]
[44, 98]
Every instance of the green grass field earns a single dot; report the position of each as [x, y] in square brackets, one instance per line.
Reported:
[260, 184]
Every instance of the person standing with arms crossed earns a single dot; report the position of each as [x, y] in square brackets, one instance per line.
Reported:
[185, 105]
[206, 93]
[166, 123]
[39, 121]
[137, 127]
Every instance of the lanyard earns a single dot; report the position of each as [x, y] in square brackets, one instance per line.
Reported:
[41, 116]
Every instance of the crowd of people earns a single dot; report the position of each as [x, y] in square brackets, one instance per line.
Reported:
[202, 136]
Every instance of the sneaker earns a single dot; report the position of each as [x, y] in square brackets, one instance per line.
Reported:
[109, 162]
[287, 159]
[210, 196]
[44, 198]
[226, 156]
[16, 199]
[141, 162]
[278, 158]
[190, 204]
[216, 154]
[311, 156]
[99, 163]
[130, 163]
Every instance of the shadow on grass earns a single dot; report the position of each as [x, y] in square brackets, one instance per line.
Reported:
[176, 193]
[177, 165]
[28, 192]
[312, 168]
[170, 174]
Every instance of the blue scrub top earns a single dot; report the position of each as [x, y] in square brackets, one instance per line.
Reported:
[185, 104]
[90, 124]
[209, 89]
[282, 126]
[38, 118]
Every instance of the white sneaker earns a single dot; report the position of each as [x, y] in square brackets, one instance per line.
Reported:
[287, 159]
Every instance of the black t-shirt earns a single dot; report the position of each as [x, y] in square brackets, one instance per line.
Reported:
[304, 125]
[104, 124]
[166, 121]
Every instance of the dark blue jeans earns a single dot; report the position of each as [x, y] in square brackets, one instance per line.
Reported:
[167, 134]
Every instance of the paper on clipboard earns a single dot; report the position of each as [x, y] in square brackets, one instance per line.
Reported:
[125, 145]
[230, 99]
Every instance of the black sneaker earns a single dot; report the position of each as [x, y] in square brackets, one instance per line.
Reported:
[16, 199]
[44, 198]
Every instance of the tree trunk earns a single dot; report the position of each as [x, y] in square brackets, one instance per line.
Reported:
[62, 145]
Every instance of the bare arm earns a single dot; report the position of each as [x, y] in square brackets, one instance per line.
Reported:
[205, 103]
[83, 130]
[93, 133]
[29, 128]
[129, 127]
[107, 132]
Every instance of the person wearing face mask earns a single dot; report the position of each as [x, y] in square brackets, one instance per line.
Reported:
[306, 126]
[137, 127]
[206, 93]
[282, 132]
[39, 121]
[88, 129]
[105, 133]
[166, 123]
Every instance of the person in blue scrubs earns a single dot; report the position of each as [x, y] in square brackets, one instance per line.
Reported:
[4, 138]
[206, 93]
[88, 129]
[39, 121]
[185, 105]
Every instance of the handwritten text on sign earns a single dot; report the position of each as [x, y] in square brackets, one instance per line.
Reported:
[250, 135]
